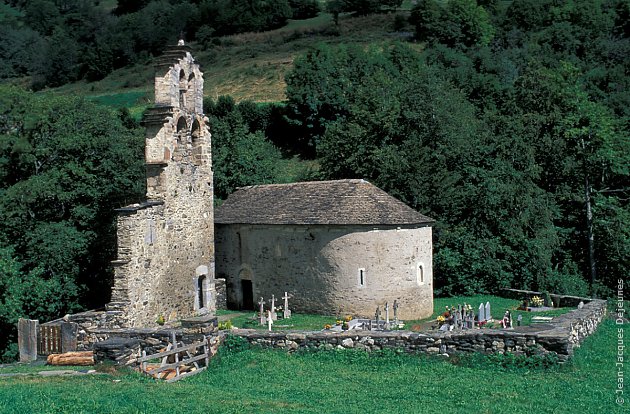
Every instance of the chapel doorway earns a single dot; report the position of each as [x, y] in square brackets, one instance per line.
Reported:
[201, 291]
[248, 294]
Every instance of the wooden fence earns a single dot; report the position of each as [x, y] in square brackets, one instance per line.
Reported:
[177, 361]
[49, 341]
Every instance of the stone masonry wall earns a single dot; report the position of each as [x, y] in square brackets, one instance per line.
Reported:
[165, 264]
[319, 266]
[559, 337]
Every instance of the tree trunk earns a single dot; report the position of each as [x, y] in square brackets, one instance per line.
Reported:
[590, 235]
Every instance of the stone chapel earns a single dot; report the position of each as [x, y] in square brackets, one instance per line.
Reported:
[337, 247]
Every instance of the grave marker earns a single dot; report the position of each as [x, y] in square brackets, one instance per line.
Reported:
[273, 313]
[287, 312]
[488, 314]
[263, 320]
[27, 339]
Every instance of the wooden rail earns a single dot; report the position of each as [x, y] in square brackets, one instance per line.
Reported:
[187, 363]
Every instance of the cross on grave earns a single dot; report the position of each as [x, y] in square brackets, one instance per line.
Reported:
[269, 320]
[263, 320]
[287, 312]
[395, 312]
[273, 313]
[386, 315]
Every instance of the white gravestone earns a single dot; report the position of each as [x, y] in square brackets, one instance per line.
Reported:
[263, 320]
[274, 315]
[488, 314]
[287, 312]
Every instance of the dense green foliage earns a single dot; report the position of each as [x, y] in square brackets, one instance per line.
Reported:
[520, 150]
[65, 164]
[240, 153]
[56, 42]
[343, 381]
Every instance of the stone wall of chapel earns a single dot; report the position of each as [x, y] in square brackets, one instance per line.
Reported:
[320, 267]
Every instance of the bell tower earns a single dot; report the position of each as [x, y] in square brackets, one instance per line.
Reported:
[165, 265]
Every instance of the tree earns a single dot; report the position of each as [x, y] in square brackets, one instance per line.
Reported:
[398, 124]
[65, 164]
[458, 23]
[240, 156]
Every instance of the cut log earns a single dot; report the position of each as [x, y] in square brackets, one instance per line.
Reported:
[71, 358]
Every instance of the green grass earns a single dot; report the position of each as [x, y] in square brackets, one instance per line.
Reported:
[303, 322]
[256, 381]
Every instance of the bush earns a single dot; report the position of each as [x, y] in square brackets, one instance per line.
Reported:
[304, 9]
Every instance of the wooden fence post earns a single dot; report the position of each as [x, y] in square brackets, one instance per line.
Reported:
[27, 339]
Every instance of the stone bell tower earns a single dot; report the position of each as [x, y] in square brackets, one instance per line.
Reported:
[165, 265]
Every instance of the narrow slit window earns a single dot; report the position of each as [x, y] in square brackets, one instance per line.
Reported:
[361, 277]
[420, 274]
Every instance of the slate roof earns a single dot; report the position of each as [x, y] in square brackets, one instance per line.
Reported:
[316, 202]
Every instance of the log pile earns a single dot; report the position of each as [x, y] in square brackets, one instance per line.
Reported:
[71, 358]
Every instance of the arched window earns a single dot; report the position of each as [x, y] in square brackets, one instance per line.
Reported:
[182, 130]
[197, 148]
[182, 89]
[420, 274]
[190, 92]
[361, 277]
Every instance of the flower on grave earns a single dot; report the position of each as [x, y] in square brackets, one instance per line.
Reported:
[468, 307]
[327, 326]
[338, 322]
[345, 326]
[160, 320]
[537, 301]
[348, 318]
[441, 319]
[446, 314]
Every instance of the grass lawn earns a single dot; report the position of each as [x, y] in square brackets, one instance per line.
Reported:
[316, 322]
[256, 381]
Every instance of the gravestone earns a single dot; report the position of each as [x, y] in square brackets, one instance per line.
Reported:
[287, 312]
[69, 331]
[396, 312]
[269, 320]
[27, 339]
[377, 315]
[263, 319]
[274, 315]
[481, 316]
[519, 320]
[488, 313]
[386, 315]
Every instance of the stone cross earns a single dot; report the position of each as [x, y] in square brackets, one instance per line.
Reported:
[269, 320]
[377, 315]
[274, 315]
[395, 312]
[488, 314]
[386, 315]
[287, 312]
[262, 311]
[481, 316]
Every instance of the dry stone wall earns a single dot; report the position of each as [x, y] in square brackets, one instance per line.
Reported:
[560, 337]
[329, 269]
